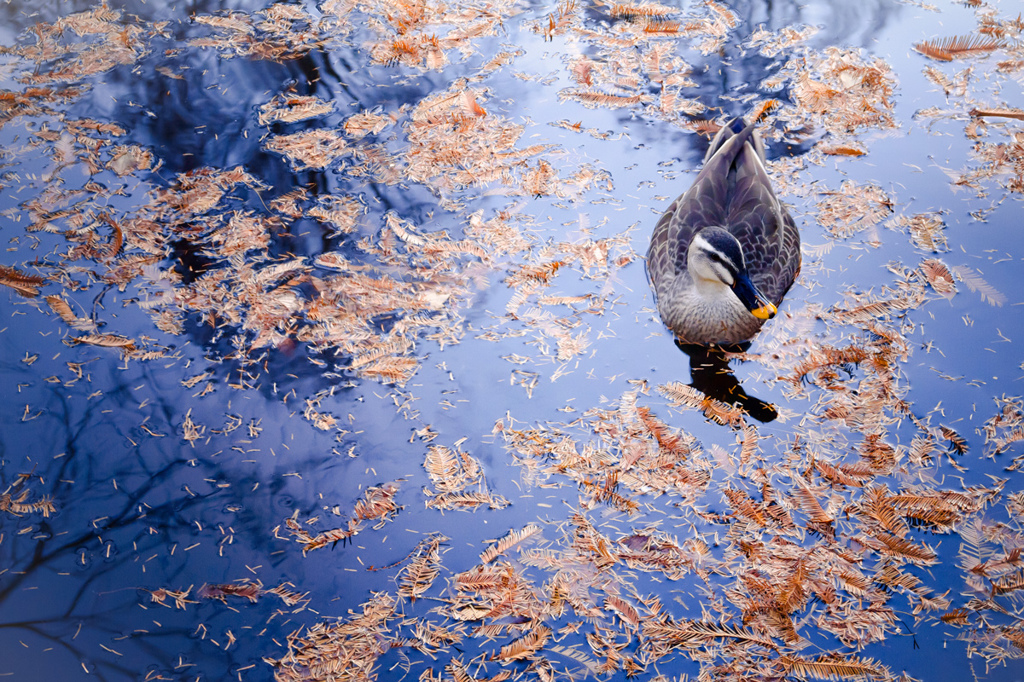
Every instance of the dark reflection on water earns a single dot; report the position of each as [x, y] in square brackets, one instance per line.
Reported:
[139, 510]
[711, 375]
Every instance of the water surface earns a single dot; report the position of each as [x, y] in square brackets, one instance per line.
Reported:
[242, 478]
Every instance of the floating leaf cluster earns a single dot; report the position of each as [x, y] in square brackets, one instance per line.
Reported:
[829, 535]
[999, 142]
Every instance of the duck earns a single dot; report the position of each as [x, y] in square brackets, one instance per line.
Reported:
[726, 251]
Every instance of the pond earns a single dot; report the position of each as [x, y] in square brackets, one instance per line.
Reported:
[330, 352]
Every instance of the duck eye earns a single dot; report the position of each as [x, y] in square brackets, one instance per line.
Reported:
[723, 267]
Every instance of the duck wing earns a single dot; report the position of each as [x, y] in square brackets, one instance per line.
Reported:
[755, 216]
[703, 205]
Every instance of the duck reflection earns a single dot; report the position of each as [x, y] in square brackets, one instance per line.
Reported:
[711, 375]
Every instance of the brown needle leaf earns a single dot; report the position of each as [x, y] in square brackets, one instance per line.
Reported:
[954, 47]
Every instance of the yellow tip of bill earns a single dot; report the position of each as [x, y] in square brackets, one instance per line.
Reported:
[765, 312]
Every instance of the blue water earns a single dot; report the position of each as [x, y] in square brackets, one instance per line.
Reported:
[139, 509]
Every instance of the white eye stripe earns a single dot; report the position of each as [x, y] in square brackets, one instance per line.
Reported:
[723, 273]
[706, 246]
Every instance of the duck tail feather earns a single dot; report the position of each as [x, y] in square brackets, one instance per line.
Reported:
[728, 143]
[724, 134]
[737, 124]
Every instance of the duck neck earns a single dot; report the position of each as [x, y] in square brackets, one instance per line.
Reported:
[714, 291]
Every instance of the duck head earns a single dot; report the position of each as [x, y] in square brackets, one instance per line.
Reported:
[715, 262]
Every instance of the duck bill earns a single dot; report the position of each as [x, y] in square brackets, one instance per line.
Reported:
[749, 295]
